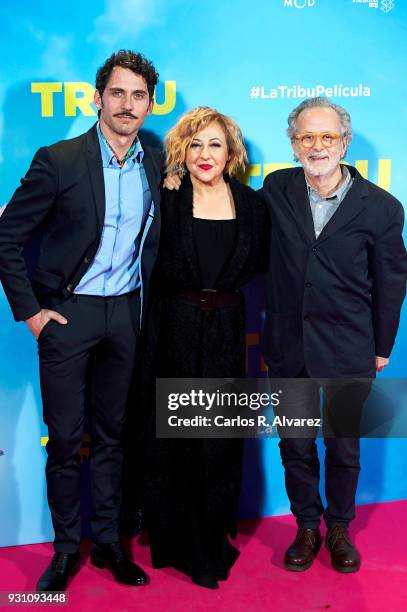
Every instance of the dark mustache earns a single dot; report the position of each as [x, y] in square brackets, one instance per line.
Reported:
[126, 114]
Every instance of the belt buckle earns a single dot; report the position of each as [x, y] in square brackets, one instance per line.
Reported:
[207, 300]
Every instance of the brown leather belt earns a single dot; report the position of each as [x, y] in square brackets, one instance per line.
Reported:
[209, 299]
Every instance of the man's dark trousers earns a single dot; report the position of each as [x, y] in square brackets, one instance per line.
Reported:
[333, 305]
[342, 466]
[100, 338]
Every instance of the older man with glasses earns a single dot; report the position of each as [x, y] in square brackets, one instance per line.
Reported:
[337, 282]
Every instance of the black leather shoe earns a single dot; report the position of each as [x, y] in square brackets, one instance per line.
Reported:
[300, 555]
[344, 556]
[62, 567]
[123, 569]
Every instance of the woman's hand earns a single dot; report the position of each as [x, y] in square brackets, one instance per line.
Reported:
[172, 181]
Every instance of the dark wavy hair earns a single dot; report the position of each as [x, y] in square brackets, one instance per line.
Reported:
[133, 61]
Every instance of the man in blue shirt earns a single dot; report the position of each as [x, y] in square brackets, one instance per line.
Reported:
[97, 199]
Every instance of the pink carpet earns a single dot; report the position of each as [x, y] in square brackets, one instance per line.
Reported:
[258, 580]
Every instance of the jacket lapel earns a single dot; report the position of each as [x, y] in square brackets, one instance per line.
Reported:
[353, 203]
[186, 228]
[153, 176]
[298, 201]
[233, 266]
[95, 166]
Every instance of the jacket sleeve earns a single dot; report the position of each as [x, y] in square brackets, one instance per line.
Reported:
[388, 261]
[263, 230]
[25, 212]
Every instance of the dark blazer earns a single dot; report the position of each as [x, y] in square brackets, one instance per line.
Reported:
[333, 303]
[63, 191]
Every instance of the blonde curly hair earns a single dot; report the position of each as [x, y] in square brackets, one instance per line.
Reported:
[179, 138]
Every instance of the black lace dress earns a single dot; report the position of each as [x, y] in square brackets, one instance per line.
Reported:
[191, 490]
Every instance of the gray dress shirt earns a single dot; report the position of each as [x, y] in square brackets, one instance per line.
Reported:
[324, 208]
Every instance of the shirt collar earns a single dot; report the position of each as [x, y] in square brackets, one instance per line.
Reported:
[339, 192]
[108, 156]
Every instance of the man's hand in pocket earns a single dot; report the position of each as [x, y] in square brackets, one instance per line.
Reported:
[37, 322]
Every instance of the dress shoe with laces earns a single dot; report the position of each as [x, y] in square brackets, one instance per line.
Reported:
[300, 555]
[62, 567]
[344, 556]
[112, 557]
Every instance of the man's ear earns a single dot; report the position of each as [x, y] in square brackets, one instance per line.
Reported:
[150, 107]
[344, 146]
[97, 100]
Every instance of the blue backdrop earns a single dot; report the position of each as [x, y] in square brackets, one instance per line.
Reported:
[254, 62]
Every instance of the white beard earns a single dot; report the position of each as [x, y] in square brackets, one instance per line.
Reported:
[323, 169]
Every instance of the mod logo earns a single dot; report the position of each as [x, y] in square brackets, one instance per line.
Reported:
[387, 5]
[299, 4]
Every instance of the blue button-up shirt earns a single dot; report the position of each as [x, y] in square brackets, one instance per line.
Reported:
[116, 267]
